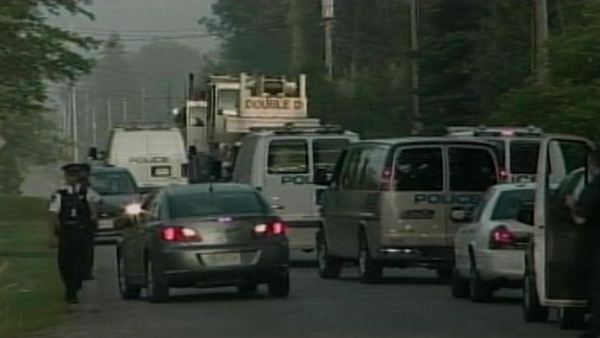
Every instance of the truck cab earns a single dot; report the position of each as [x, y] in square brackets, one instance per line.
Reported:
[558, 260]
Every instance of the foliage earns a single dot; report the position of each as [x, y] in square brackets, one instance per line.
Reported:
[34, 53]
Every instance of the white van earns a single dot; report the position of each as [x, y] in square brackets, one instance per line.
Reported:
[155, 156]
[397, 202]
[285, 164]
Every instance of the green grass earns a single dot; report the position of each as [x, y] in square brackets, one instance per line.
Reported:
[30, 290]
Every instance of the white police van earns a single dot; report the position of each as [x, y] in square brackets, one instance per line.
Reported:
[285, 164]
[397, 202]
[155, 155]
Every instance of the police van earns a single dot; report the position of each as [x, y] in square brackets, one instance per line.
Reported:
[517, 148]
[155, 155]
[397, 202]
[286, 164]
[558, 260]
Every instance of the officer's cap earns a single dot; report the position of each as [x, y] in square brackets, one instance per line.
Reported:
[76, 168]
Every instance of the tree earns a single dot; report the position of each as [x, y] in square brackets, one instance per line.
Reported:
[34, 53]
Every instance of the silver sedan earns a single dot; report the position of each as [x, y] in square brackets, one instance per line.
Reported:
[208, 235]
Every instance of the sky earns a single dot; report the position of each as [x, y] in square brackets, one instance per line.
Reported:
[144, 19]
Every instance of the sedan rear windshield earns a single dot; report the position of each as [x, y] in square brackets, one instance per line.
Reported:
[206, 204]
[509, 202]
[113, 183]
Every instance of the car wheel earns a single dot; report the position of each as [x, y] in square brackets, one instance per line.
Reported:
[248, 289]
[533, 311]
[460, 286]
[481, 292]
[571, 318]
[126, 289]
[156, 284]
[329, 267]
[369, 270]
[279, 285]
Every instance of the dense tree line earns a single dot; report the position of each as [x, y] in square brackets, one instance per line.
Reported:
[32, 54]
[476, 60]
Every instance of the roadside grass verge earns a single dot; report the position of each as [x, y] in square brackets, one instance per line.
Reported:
[30, 290]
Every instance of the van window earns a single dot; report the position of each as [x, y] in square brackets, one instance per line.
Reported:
[350, 171]
[288, 157]
[419, 169]
[471, 169]
[326, 153]
[524, 157]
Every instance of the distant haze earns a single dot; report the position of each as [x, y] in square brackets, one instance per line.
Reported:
[144, 19]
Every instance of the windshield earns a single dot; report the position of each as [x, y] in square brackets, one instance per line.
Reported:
[113, 183]
[327, 152]
[524, 157]
[205, 204]
[509, 202]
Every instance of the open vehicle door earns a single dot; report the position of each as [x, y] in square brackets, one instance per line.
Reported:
[558, 260]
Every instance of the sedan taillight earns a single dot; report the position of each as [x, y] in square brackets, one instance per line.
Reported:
[179, 234]
[270, 229]
[502, 238]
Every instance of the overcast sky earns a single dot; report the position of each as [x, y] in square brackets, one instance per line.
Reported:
[143, 19]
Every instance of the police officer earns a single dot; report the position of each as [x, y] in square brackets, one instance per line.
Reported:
[586, 212]
[84, 180]
[74, 209]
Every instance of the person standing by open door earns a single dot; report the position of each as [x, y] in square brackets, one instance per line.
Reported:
[586, 212]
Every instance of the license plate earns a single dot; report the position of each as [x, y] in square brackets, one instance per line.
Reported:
[106, 224]
[162, 171]
[224, 259]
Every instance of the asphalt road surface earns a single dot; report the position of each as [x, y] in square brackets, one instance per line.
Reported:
[409, 304]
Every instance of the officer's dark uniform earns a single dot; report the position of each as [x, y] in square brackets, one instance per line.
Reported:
[89, 264]
[75, 219]
[588, 208]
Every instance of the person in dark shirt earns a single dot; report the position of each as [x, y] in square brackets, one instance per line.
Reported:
[586, 212]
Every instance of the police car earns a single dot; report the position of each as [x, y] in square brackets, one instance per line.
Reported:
[557, 261]
[517, 148]
[285, 164]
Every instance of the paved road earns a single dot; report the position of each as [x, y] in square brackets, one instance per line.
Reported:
[410, 304]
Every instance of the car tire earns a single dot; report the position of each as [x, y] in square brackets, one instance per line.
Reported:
[248, 289]
[481, 292]
[279, 285]
[369, 270]
[329, 267]
[157, 287]
[126, 289]
[460, 286]
[533, 311]
[572, 318]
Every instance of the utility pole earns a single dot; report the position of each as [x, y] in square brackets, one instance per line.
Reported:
[541, 40]
[75, 123]
[414, 67]
[328, 16]
[124, 111]
[94, 128]
[143, 98]
[109, 122]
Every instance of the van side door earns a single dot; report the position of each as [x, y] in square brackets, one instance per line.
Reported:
[562, 246]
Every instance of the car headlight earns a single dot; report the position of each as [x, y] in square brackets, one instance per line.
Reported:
[134, 209]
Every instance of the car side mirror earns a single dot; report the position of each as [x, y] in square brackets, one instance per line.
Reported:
[461, 216]
[525, 213]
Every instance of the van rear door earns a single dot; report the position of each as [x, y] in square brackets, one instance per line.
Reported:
[472, 170]
[414, 213]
